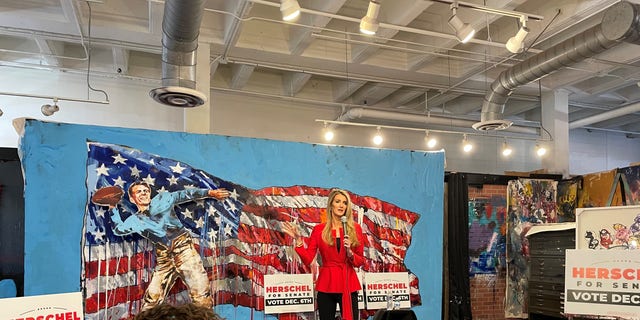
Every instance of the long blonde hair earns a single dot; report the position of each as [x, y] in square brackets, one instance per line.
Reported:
[351, 230]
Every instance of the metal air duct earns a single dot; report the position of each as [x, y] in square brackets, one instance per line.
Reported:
[357, 113]
[619, 23]
[180, 30]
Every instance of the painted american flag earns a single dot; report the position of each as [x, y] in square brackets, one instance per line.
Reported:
[239, 239]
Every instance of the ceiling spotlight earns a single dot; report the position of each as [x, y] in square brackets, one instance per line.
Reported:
[369, 23]
[377, 139]
[466, 145]
[48, 109]
[290, 9]
[430, 141]
[464, 31]
[516, 43]
[506, 149]
[540, 150]
[328, 133]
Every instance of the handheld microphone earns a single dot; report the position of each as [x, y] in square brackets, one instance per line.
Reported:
[344, 225]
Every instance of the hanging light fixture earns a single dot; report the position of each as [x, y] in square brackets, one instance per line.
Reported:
[430, 140]
[516, 43]
[369, 23]
[466, 145]
[464, 31]
[540, 150]
[506, 149]
[377, 138]
[328, 133]
[48, 109]
[290, 9]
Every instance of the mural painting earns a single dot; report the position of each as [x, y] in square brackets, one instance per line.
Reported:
[530, 202]
[567, 200]
[631, 184]
[487, 230]
[599, 190]
[158, 230]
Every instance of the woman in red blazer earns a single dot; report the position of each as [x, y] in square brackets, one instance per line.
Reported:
[340, 252]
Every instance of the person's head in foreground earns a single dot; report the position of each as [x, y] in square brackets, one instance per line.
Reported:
[188, 311]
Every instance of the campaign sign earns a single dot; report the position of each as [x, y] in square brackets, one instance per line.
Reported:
[63, 306]
[361, 291]
[285, 293]
[380, 284]
[603, 283]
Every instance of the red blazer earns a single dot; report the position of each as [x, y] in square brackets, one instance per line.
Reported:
[335, 265]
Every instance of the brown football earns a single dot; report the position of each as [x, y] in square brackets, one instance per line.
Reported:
[107, 196]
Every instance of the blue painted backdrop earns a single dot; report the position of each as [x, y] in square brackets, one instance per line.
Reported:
[54, 159]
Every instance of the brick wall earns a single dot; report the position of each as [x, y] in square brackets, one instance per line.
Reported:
[487, 296]
[488, 290]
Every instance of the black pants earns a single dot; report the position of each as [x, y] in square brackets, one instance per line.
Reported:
[327, 305]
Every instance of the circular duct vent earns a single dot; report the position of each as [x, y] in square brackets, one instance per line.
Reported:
[492, 125]
[178, 97]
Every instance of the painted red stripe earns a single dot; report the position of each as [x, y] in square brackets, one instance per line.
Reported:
[292, 191]
[362, 201]
[119, 265]
[311, 215]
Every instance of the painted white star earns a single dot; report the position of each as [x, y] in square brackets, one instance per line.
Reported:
[187, 213]
[119, 159]
[98, 235]
[119, 182]
[100, 213]
[199, 223]
[173, 180]
[161, 190]
[149, 180]
[227, 230]
[217, 219]
[189, 186]
[211, 211]
[200, 203]
[135, 172]
[177, 168]
[102, 170]
[213, 237]
[233, 195]
[152, 162]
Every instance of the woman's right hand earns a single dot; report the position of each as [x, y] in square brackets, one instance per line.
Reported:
[291, 229]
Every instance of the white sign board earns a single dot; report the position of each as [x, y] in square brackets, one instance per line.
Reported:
[66, 306]
[378, 285]
[285, 293]
[603, 283]
[361, 304]
[607, 228]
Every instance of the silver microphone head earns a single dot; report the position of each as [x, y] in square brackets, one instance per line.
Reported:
[343, 219]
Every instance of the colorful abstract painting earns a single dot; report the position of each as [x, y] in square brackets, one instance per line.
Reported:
[631, 178]
[239, 239]
[529, 202]
[487, 241]
[567, 200]
[598, 190]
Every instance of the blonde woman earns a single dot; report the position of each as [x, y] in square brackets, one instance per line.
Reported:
[340, 251]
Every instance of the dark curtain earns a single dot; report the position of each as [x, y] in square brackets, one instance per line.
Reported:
[11, 224]
[459, 298]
